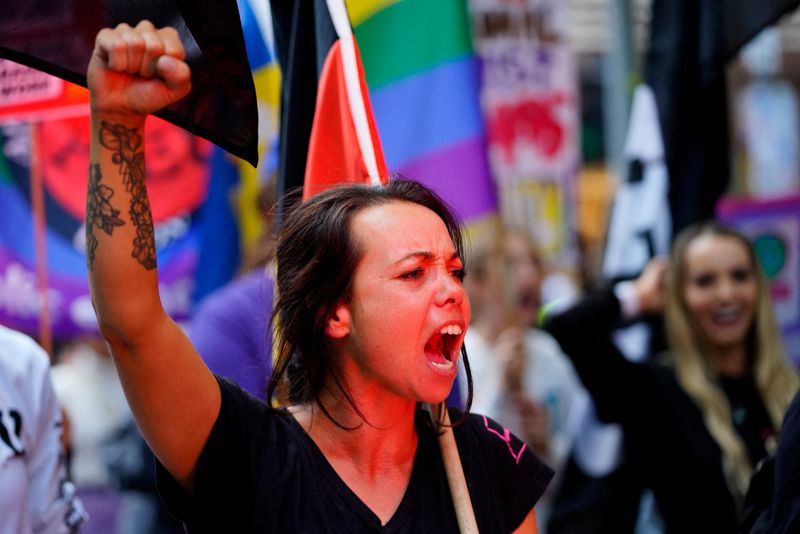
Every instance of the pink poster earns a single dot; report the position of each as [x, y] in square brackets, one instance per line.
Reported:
[529, 96]
[774, 227]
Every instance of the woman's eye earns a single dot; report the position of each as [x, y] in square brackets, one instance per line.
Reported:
[742, 275]
[704, 280]
[412, 275]
[459, 274]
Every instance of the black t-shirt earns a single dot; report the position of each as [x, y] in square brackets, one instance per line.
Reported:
[260, 472]
[748, 415]
[773, 500]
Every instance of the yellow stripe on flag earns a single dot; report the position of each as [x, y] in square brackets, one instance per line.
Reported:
[361, 10]
[268, 92]
[268, 84]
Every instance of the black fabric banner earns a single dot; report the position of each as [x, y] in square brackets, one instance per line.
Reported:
[57, 36]
[304, 34]
[690, 44]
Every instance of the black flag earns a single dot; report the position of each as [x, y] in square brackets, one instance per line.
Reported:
[690, 44]
[57, 36]
[304, 34]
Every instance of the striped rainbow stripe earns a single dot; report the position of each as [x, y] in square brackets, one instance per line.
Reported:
[424, 77]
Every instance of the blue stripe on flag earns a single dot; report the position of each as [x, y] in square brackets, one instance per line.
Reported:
[258, 52]
[428, 111]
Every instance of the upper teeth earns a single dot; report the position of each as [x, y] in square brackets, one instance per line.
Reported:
[452, 329]
[728, 313]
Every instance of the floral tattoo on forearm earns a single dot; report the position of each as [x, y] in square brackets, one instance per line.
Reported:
[99, 212]
[129, 155]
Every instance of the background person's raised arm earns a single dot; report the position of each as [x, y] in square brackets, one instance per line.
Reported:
[174, 397]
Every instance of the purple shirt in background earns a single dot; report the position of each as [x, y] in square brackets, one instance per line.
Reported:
[231, 331]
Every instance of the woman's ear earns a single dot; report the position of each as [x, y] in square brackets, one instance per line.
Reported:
[338, 324]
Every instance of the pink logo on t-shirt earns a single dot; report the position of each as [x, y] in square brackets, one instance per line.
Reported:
[505, 436]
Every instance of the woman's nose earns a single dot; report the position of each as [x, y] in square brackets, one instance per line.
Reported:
[726, 289]
[450, 290]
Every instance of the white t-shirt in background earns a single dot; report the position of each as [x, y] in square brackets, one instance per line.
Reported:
[36, 495]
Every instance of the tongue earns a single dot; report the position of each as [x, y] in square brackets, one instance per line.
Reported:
[434, 349]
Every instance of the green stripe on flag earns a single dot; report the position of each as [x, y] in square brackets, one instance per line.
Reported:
[5, 171]
[411, 36]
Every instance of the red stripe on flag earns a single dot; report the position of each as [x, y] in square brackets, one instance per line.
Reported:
[334, 155]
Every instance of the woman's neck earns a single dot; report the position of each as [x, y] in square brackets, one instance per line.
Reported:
[384, 438]
[374, 460]
[730, 361]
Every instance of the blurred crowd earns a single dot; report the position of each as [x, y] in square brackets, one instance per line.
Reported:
[665, 443]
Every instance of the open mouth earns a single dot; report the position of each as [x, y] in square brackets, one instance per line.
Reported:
[526, 300]
[443, 346]
[726, 317]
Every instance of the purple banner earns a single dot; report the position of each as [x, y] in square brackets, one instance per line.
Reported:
[774, 227]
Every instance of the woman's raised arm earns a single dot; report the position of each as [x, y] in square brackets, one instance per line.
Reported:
[174, 397]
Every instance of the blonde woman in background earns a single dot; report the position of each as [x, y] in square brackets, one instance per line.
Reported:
[708, 365]
[696, 421]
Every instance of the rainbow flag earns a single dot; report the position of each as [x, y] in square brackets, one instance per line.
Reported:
[423, 78]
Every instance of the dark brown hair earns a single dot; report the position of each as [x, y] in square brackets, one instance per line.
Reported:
[316, 261]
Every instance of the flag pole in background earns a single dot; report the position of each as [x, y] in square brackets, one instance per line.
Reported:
[40, 244]
[465, 514]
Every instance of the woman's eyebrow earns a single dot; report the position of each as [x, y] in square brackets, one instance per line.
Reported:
[425, 255]
[420, 254]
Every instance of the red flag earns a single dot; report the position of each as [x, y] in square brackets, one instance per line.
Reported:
[328, 133]
[335, 152]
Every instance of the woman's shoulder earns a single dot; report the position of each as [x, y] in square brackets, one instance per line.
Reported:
[489, 440]
[501, 464]
[252, 434]
[20, 356]
[482, 431]
[240, 409]
[662, 365]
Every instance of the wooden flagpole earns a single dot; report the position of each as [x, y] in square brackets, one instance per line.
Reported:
[455, 472]
[40, 242]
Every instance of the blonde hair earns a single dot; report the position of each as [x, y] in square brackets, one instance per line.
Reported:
[775, 380]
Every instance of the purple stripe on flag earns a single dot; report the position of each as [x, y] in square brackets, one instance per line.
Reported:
[460, 175]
